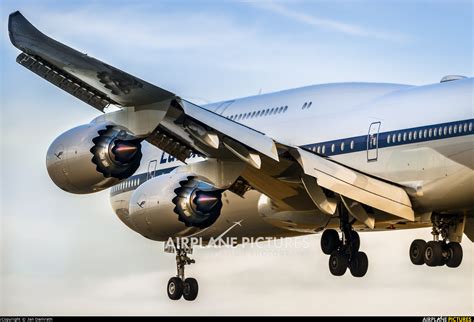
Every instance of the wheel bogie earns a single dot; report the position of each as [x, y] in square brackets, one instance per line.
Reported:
[436, 253]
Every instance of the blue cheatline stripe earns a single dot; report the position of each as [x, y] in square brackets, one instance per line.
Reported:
[398, 137]
[343, 146]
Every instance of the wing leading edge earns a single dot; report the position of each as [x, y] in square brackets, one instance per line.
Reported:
[85, 77]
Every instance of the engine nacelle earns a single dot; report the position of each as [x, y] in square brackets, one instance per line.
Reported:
[92, 157]
[174, 204]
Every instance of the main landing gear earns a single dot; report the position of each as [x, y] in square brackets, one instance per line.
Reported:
[179, 286]
[437, 252]
[344, 253]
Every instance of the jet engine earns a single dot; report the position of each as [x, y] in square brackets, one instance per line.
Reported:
[173, 204]
[92, 157]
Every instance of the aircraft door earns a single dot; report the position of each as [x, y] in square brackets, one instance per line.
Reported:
[151, 169]
[373, 142]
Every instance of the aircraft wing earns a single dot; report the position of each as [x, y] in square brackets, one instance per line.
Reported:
[85, 77]
[291, 176]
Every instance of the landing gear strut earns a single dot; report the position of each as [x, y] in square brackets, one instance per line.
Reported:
[179, 286]
[344, 253]
[437, 252]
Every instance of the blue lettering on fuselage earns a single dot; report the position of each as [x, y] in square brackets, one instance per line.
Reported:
[166, 158]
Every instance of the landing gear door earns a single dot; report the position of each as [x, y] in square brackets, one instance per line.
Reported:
[151, 169]
[373, 142]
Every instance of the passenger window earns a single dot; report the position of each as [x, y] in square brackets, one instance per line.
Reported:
[450, 129]
[430, 132]
[394, 138]
[435, 132]
[342, 146]
[415, 135]
[420, 134]
[324, 149]
[352, 145]
[333, 147]
[388, 139]
[460, 128]
[409, 136]
[455, 129]
[470, 127]
[399, 137]
[405, 136]
[319, 149]
[445, 130]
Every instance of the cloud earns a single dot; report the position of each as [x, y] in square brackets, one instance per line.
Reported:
[327, 24]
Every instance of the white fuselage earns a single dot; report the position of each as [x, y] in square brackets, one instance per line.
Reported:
[419, 137]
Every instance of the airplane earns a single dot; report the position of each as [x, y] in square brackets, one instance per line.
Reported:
[335, 159]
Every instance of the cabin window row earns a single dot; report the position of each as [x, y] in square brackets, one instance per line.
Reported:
[260, 113]
[126, 184]
[438, 131]
[323, 148]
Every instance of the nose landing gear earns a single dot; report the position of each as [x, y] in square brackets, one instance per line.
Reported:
[178, 286]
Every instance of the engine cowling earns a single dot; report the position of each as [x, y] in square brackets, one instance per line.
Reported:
[174, 204]
[92, 157]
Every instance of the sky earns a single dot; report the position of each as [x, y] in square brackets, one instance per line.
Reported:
[64, 254]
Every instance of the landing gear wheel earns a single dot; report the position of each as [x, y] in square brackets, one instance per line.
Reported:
[417, 251]
[175, 288]
[338, 263]
[330, 241]
[354, 241]
[359, 264]
[190, 290]
[433, 255]
[454, 255]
